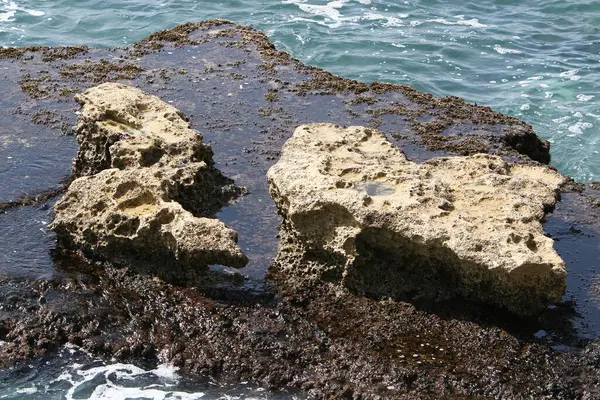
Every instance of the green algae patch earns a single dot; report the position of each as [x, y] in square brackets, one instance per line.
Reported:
[36, 87]
[178, 36]
[101, 71]
[63, 53]
[330, 83]
[271, 95]
[47, 53]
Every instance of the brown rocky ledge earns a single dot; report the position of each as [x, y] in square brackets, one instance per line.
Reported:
[247, 97]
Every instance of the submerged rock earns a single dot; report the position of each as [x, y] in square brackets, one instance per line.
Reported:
[147, 185]
[387, 226]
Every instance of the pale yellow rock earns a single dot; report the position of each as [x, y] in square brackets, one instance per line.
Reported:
[455, 225]
[122, 127]
[125, 216]
[146, 185]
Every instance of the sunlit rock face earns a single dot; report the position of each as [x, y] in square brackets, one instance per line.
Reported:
[146, 188]
[356, 210]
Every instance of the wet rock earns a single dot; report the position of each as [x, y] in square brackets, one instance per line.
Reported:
[321, 337]
[387, 226]
[137, 159]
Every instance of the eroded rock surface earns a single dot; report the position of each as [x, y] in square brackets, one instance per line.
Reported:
[147, 185]
[386, 226]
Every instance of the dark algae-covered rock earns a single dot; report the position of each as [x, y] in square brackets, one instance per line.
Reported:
[247, 98]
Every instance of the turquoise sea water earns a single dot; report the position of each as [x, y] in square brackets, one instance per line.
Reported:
[537, 59]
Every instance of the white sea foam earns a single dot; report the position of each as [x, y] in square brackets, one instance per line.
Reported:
[309, 20]
[108, 392]
[113, 386]
[593, 116]
[8, 10]
[578, 128]
[584, 97]
[393, 21]
[29, 390]
[370, 16]
[333, 17]
[503, 50]
[329, 10]
[561, 119]
[474, 22]
[7, 16]
[570, 74]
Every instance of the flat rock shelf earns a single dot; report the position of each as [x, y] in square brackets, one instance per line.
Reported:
[246, 98]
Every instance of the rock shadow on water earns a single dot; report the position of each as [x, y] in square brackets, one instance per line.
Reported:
[379, 275]
[26, 239]
[443, 299]
[575, 230]
[217, 282]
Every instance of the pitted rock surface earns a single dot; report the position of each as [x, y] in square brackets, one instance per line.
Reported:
[122, 127]
[387, 226]
[138, 160]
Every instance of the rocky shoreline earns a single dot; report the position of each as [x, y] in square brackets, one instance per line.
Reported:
[247, 98]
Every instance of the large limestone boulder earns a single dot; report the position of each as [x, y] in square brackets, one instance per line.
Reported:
[146, 188]
[122, 127]
[356, 210]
